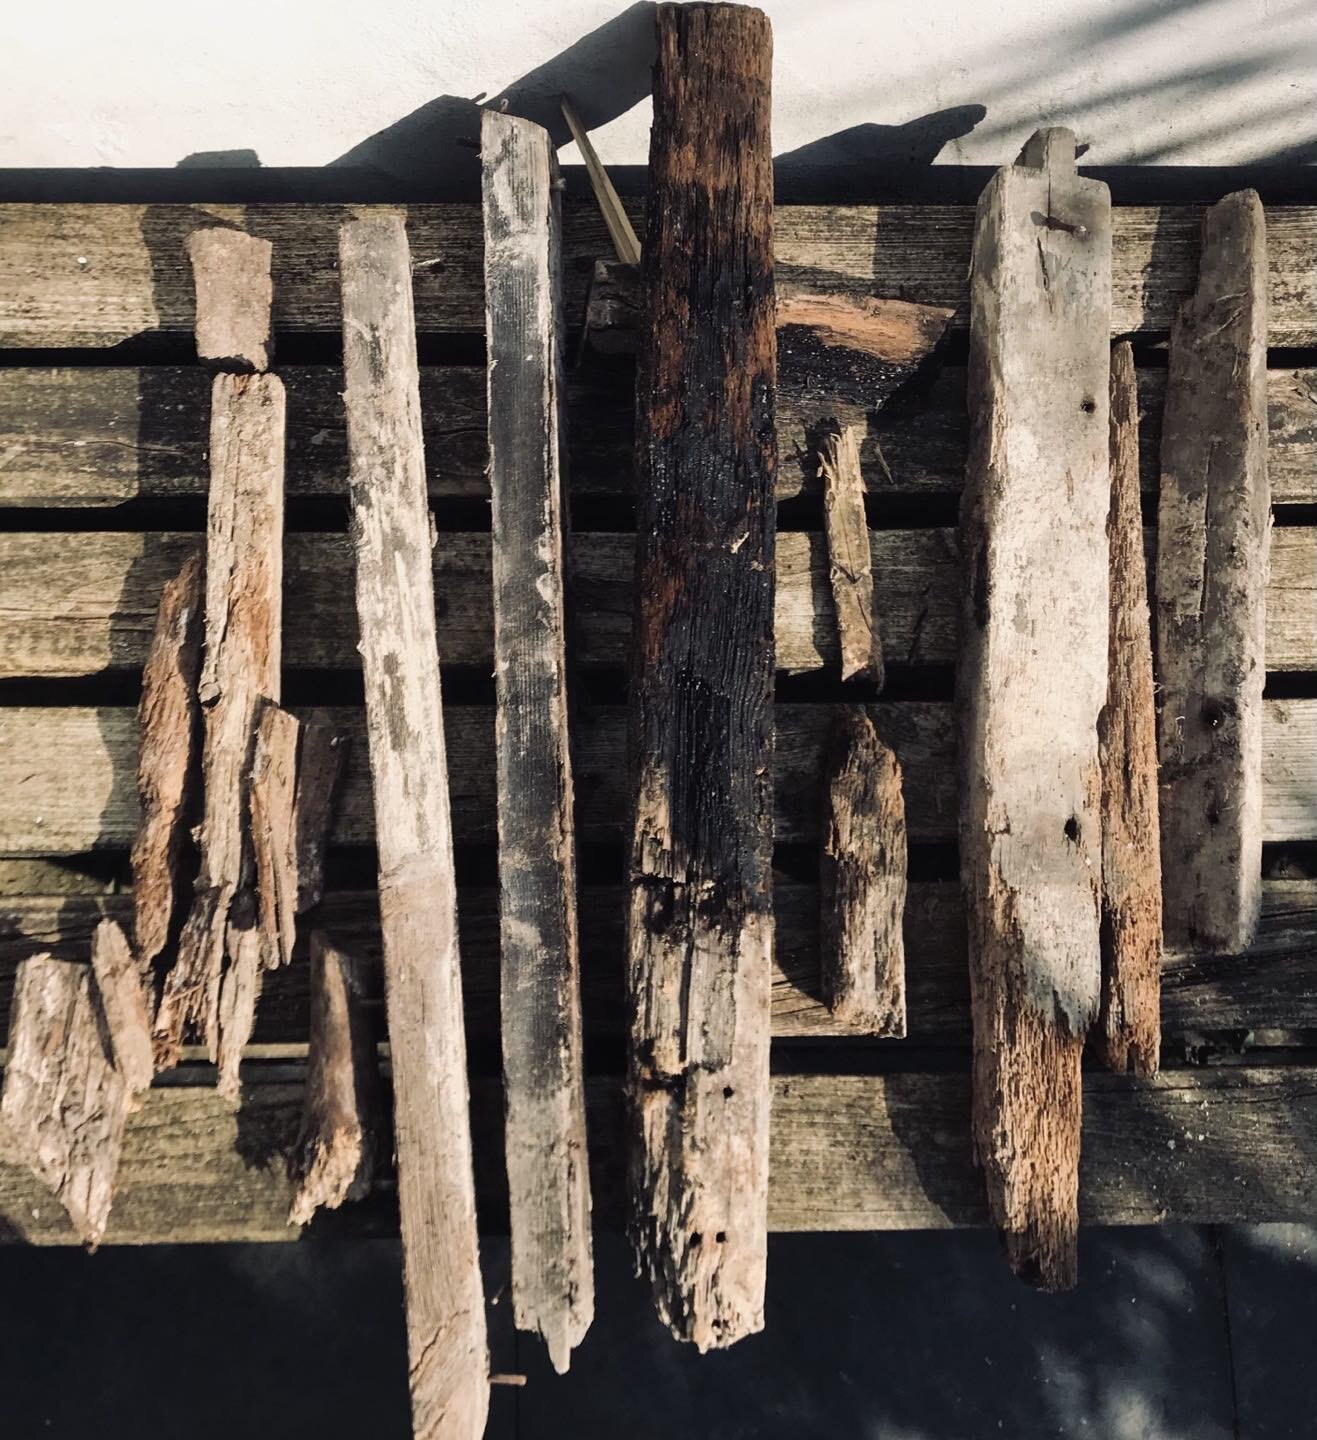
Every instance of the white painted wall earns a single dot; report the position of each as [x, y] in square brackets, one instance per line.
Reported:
[301, 82]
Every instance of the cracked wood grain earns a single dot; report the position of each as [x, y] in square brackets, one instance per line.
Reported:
[125, 1004]
[850, 564]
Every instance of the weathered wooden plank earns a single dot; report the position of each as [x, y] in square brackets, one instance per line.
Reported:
[862, 882]
[1129, 1029]
[1214, 519]
[123, 1003]
[169, 717]
[74, 275]
[220, 948]
[234, 293]
[700, 920]
[848, 1153]
[1032, 679]
[850, 563]
[449, 1360]
[543, 1068]
[42, 814]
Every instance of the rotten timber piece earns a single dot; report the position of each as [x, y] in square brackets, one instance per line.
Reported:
[1128, 1034]
[543, 1075]
[850, 563]
[65, 1102]
[700, 934]
[862, 882]
[169, 718]
[124, 1004]
[1033, 680]
[231, 270]
[341, 1144]
[620, 230]
[1213, 530]
[449, 1362]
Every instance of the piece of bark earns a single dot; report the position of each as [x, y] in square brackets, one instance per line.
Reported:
[543, 1069]
[850, 563]
[231, 271]
[620, 230]
[700, 916]
[832, 349]
[1129, 1029]
[1033, 680]
[169, 718]
[65, 1102]
[862, 882]
[124, 1003]
[1213, 529]
[342, 1140]
[413, 834]
[244, 585]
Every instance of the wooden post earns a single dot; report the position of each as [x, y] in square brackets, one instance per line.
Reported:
[1129, 1029]
[418, 896]
[850, 563]
[1213, 527]
[700, 916]
[862, 879]
[1033, 679]
[543, 1075]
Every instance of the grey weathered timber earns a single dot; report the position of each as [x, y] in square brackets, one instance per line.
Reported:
[1129, 1025]
[1032, 680]
[1213, 522]
[167, 772]
[862, 882]
[65, 1103]
[124, 1003]
[850, 563]
[543, 1077]
[341, 1144]
[700, 933]
[449, 1363]
[220, 950]
[234, 294]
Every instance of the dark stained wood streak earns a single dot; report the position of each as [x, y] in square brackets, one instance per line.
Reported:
[701, 923]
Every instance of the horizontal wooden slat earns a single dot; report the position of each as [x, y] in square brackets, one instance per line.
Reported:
[100, 436]
[68, 775]
[848, 1153]
[77, 604]
[94, 275]
[1272, 987]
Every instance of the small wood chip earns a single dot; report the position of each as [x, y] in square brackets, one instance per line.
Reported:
[231, 270]
[850, 563]
[124, 1003]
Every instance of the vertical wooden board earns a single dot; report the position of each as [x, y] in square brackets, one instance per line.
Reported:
[1033, 679]
[449, 1361]
[700, 915]
[1129, 1027]
[1213, 528]
[540, 994]
[850, 563]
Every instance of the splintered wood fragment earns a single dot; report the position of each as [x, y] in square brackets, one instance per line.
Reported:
[850, 562]
[413, 832]
[65, 1102]
[124, 1003]
[1033, 680]
[1213, 531]
[321, 756]
[342, 1141]
[700, 910]
[862, 880]
[540, 989]
[832, 349]
[169, 719]
[231, 270]
[1129, 1026]
[620, 230]
[240, 672]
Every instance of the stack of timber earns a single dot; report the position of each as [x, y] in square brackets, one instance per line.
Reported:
[886, 1148]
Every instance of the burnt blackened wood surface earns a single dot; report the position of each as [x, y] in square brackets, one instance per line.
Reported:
[701, 922]
[543, 1076]
[1213, 525]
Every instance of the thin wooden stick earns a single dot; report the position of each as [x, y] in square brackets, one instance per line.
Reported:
[620, 230]
[850, 564]
[1213, 531]
[1033, 679]
[418, 896]
[543, 1070]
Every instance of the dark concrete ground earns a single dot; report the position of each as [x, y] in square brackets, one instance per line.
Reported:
[1174, 1334]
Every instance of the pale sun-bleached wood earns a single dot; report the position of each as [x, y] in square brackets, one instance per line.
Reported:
[232, 273]
[850, 563]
